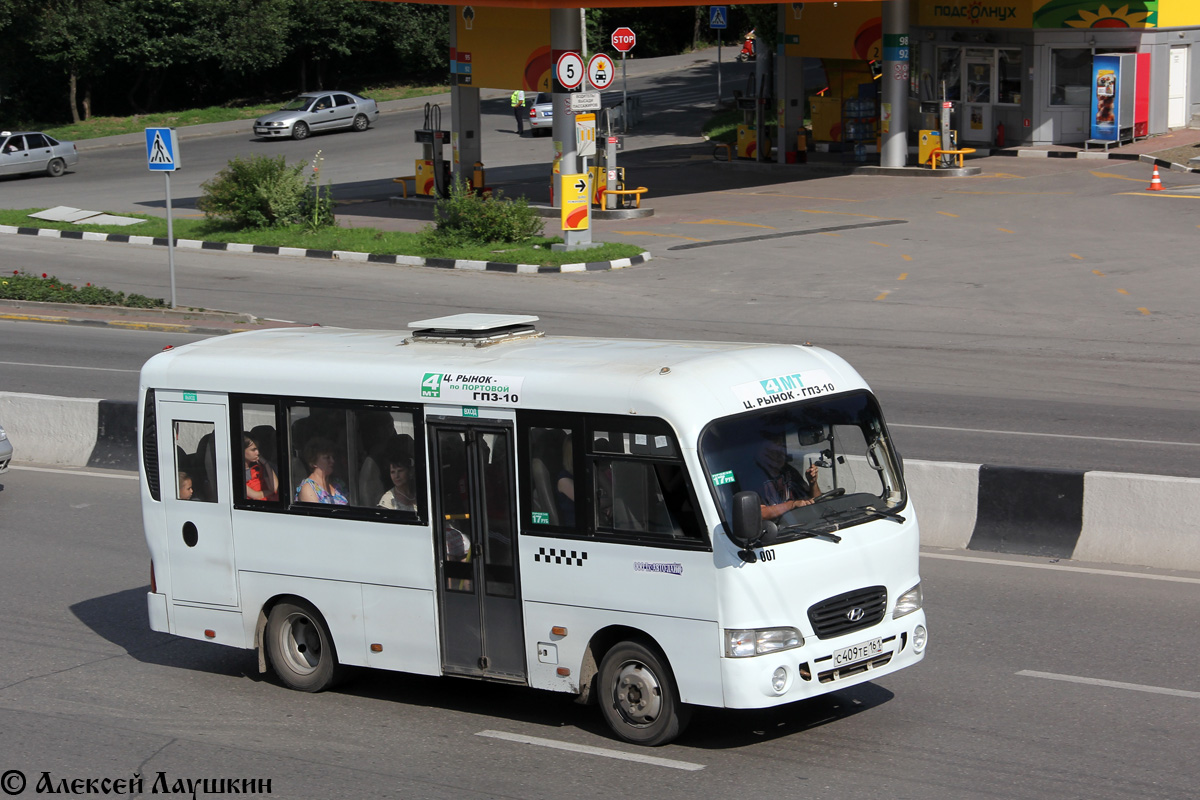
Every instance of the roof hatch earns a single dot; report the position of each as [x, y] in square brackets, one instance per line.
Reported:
[477, 330]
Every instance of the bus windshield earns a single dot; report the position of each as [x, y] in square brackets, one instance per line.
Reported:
[816, 466]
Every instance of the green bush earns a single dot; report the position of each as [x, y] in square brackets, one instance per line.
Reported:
[465, 217]
[264, 192]
[24, 286]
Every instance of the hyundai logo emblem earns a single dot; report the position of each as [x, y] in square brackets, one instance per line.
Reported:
[855, 614]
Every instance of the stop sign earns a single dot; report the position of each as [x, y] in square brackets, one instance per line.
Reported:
[623, 40]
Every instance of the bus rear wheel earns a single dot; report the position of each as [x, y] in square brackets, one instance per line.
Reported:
[638, 696]
[300, 648]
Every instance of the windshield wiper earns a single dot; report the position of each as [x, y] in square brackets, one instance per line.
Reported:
[874, 512]
[825, 532]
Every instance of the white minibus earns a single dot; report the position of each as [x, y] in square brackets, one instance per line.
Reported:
[648, 525]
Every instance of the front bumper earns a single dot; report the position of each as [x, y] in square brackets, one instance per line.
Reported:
[265, 131]
[746, 682]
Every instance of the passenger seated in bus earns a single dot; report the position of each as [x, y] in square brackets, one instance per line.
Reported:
[261, 481]
[319, 487]
[185, 486]
[784, 488]
[402, 496]
[564, 494]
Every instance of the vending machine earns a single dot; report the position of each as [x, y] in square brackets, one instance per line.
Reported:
[1120, 97]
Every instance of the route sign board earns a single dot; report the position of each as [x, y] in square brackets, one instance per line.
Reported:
[569, 69]
[585, 101]
[575, 203]
[585, 135]
[162, 150]
[601, 71]
[718, 17]
[623, 40]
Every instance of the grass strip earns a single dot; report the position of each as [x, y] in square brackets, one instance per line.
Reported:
[361, 240]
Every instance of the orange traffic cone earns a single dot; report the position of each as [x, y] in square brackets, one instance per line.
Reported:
[1155, 182]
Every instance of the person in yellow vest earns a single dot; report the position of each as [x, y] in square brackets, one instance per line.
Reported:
[518, 106]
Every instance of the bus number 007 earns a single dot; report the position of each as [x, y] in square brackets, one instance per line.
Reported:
[766, 555]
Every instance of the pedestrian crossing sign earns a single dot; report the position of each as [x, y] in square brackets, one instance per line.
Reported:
[162, 150]
[718, 18]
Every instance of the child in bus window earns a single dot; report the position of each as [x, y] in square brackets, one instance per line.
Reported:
[261, 481]
[185, 486]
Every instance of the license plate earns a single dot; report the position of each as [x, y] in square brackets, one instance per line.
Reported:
[858, 652]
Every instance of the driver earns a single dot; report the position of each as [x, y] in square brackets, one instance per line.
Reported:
[784, 488]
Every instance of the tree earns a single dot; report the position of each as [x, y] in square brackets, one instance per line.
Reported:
[72, 34]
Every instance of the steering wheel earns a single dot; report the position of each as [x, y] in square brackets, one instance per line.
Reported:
[832, 493]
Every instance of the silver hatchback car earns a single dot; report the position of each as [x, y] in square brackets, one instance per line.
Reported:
[23, 152]
[6, 451]
[318, 111]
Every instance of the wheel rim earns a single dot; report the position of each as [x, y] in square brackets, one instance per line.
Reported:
[637, 694]
[300, 131]
[360, 123]
[300, 644]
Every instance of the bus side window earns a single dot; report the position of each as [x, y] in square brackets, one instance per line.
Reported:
[195, 458]
[256, 455]
[552, 476]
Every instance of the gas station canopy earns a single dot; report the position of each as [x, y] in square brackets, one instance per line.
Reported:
[590, 3]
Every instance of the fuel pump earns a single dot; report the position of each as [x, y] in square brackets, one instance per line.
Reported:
[613, 175]
[752, 129]
[432, 170]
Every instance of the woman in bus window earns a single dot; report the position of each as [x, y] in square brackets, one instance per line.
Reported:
[261, 481]
[319, 487]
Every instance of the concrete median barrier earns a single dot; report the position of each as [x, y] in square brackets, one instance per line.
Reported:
[1105, 517]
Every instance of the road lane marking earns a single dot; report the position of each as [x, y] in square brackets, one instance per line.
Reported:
[1005, 230]
[656, 761]
[909, 258]
[1160, 194]
[65, 366]
[1050, 435]
[965, 191]
[1101, 274]
[1122, 291]
[794, 196]
[762, 237]
[947, 214]
[903, 275]
[666, 235]
[119, 476]
[1114, 176]
[1062, 568]
[1145, 311]
[1134, 687]
[883, 295]
[881, 244]
[727, 222]
[1076, 255]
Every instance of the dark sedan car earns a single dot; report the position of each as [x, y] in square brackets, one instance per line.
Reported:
[318, 111]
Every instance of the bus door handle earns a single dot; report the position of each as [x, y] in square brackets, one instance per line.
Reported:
[457, 516]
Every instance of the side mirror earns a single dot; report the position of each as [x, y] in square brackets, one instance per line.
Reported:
[747, 518]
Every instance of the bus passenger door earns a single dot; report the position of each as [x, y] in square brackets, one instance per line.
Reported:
[475, 522]
[194, 458]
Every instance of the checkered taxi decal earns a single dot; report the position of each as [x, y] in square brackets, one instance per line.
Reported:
[558, 556]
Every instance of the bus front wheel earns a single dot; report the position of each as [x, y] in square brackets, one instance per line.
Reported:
[638, 696]
[300, 648]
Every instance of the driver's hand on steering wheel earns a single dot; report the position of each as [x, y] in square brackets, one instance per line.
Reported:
[798, 503]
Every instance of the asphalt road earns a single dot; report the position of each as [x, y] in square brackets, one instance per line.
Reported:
[1042, 314]
[88, 691]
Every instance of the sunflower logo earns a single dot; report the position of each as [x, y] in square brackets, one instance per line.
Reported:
[1103, 17]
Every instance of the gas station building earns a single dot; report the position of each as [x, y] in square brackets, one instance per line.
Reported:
[1017, 71]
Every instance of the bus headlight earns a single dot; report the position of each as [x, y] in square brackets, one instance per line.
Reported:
[742, 643]
[908, 602]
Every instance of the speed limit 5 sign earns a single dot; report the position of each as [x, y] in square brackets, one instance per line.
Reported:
[569, 70]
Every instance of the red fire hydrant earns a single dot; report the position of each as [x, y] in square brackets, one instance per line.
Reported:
[999, 134]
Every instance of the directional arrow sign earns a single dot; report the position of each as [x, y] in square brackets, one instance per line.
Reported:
[575, 206]
[581, 185]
